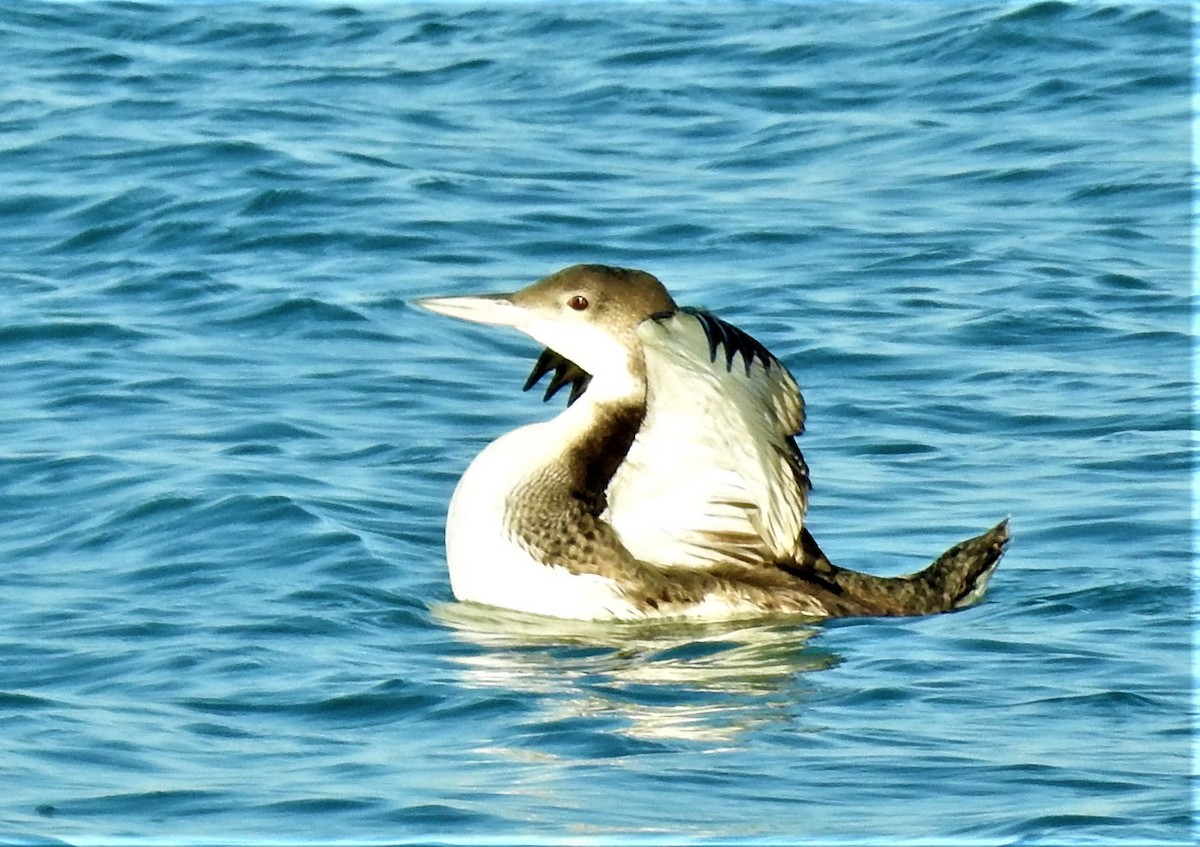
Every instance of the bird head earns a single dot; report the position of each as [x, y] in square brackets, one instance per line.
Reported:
[588, 314]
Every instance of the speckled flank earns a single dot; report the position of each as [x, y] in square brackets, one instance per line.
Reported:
[555, 511]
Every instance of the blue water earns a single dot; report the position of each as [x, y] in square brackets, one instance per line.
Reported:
[228, 440]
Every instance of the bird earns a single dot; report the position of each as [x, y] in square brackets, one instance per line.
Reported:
[670, 484]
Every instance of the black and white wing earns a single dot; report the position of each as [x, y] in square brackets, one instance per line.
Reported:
[566, 372]
[714, 474]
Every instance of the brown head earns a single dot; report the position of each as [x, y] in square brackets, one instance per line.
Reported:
[586, 313]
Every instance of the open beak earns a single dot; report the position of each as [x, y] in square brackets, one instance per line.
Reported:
[496, 309]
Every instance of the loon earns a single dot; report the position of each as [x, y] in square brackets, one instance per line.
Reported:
[670, 485]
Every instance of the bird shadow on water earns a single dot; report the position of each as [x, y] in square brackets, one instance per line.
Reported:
[663, 681]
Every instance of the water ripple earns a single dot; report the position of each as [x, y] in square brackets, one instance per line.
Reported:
[230, 438]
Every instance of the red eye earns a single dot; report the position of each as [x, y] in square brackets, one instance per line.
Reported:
[578, 302]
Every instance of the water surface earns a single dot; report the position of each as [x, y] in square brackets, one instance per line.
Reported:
[229, 440]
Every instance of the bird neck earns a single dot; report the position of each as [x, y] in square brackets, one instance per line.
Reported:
[601, 434]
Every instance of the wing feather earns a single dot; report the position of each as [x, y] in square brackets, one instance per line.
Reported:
[566, 372]
[714, 474]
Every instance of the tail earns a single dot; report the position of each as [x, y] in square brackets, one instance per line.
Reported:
[957, 579]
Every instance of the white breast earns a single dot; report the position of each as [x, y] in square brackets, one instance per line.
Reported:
[489, 565]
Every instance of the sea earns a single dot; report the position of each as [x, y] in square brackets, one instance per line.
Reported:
[228, 438]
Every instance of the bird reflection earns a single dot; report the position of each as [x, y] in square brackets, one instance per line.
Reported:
[665, 680]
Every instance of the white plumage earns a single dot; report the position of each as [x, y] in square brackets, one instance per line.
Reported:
[707, 479]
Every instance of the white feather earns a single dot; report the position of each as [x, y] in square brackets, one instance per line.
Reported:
[708, 478]
[489, 565]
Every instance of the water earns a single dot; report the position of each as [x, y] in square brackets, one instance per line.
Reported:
[229, 440]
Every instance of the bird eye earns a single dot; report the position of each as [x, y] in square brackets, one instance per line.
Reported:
[578, 302]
